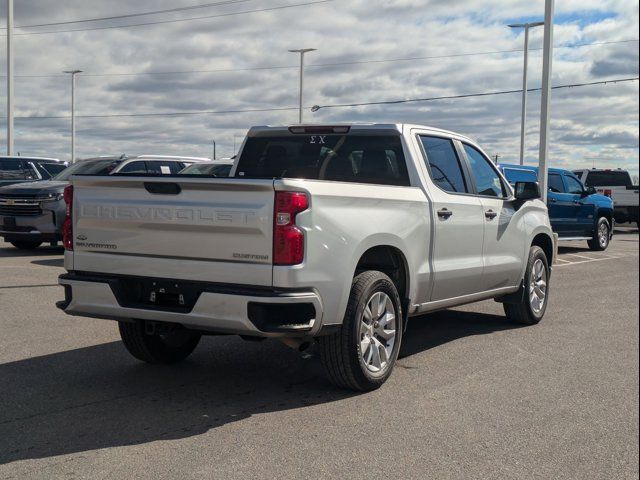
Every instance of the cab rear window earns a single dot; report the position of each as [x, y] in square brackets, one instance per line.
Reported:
[342, 158]
[608, 179]
[520, 175]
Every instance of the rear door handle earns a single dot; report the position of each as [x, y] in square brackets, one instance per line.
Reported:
[444, 213]
[490, 214]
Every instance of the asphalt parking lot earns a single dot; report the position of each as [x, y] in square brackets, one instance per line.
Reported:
[472, 397]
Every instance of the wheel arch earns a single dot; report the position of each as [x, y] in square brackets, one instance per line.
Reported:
[606, 213]
[391, 261]
[545, 242]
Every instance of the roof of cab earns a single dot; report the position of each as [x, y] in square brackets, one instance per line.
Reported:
[531, 168]
[359, 126]
[23, 157]
[126, 158]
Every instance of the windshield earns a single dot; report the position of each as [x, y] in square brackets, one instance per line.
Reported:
[215, 169]
[102, 166]
[375, 159]
[52, 168]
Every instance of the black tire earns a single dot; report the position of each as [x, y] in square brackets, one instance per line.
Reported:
[26, 245]
[167, 347]
[340, 352]
[523, 312]
[595, 243]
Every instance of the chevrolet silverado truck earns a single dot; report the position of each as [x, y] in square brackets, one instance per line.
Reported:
[327, 234]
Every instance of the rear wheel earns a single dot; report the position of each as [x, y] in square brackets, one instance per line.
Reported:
[361, 356]
[26, 245]
[600, 240]
[165, 345]
[533, 304]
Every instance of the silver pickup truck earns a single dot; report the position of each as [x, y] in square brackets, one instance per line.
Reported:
[327, 234]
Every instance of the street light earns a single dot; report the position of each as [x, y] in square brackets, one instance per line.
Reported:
[214, 148]
[301, 51]
[73, 112]
[523, 121]
[545, 103]
[9, 77]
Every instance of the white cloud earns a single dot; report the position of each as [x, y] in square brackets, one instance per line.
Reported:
[591, 125]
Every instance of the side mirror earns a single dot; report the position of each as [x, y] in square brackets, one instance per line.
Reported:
[527, 191]
[590, 191]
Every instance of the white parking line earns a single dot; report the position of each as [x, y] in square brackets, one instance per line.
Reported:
[586, 261]
[579, 256]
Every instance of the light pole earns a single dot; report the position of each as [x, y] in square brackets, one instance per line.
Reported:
[9, 77]
[523, 120]
[301, 51]
[545, 114]
[73, 112]
[214, 149]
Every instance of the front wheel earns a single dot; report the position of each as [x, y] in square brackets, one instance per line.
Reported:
[601, 237]
[361, 356]
[530, 309]
[166, 345]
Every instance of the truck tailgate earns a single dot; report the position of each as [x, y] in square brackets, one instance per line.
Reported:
[214, 230]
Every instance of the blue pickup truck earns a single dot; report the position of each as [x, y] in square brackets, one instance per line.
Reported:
[576, 212]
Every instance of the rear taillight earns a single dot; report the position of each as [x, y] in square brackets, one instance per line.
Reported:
[607, 192]
[67, 226]
[288, 239]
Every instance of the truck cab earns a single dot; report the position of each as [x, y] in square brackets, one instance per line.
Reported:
[575, 211]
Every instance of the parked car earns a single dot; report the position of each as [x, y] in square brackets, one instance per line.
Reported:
[334, 234]
[28, 169]
[618, 185]
[576, 212]
[32, 213]
[216, 168]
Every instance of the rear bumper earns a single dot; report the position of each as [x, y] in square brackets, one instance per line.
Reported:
[218, 308]
[625, 214]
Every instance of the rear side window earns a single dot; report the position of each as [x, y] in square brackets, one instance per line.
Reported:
[139, 167]
[11, 169]
[608, 179]
[163, 168]
[487, 179]
[342, 158]
[555, 183]
[444, 164]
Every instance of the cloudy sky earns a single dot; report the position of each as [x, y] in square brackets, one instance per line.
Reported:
[235, 61]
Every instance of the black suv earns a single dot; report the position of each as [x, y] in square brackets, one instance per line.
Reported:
[28, 169]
